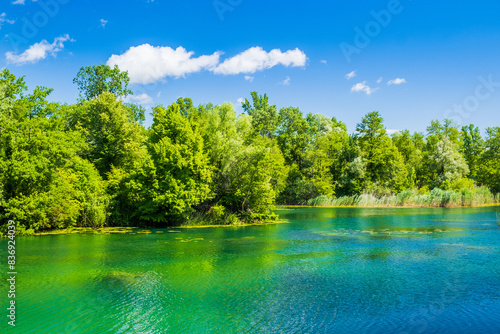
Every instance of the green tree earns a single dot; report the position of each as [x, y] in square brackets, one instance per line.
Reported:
[293, 135]
[489, 174]
[384, 163]
[450, 130]
[319, 125]
[371, 128]
[323, 161]
[264, 116]
[410, 147]
[45, 183]
[430, 174]
[173, 177]
[260, 177]
[353, 178]
[449, 164]
[92, 81]
[472, 148]
[114, 138]
[225, 137]
[249, 171]
[186, 107]
[372, 139]
[436, 131]
[11, 86]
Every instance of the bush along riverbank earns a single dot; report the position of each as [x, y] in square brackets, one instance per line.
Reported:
[478, 196]
[93, 163]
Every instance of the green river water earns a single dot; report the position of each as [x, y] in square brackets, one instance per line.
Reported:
[327, 270]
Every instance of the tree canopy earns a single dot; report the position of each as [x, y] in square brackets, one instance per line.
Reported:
[92, 81]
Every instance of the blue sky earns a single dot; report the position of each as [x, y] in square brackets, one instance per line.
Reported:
[413, 61]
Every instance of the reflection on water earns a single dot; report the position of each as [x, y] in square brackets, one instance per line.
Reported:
[325, 271]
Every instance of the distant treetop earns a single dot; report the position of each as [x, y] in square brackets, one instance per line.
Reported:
[95, 80]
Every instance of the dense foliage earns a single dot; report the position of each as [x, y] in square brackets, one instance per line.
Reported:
[92, 163]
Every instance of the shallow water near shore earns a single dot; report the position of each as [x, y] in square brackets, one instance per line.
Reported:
[328, 270]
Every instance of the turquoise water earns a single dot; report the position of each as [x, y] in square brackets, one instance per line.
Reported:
[325, 271]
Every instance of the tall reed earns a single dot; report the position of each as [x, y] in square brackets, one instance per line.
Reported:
[412, 198]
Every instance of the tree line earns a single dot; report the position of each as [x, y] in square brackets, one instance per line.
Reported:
[93, 163]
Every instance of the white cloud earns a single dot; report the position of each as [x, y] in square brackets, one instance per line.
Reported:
[363, 87]
[103, 22]
[351, 75]
[379, 80]
[240, 100]
[397, 81]
[256, 59]
[4, 19]
[147, 64]
[324, 61]
[391, 131]
[19, 2]
[38, 51]
[249, 78]
[140, 99]
[286, 82]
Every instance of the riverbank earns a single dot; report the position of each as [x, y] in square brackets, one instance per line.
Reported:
[197, 220]
[437, 198]
[287, 207]
[143, 230]
[176, 229]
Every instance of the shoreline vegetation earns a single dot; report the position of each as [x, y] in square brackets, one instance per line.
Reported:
[186, 225]
[324, 203]
[437, 198]
[93, 163]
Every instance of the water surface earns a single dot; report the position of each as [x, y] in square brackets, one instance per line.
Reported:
[325, 271]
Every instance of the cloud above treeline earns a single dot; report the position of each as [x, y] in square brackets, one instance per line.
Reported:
[285, 82]
[256, 59]
[140, 99]
[38, 51]
[4, 19]
[351, 75]
[148, 64]
[363, 87]
[397, 81]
